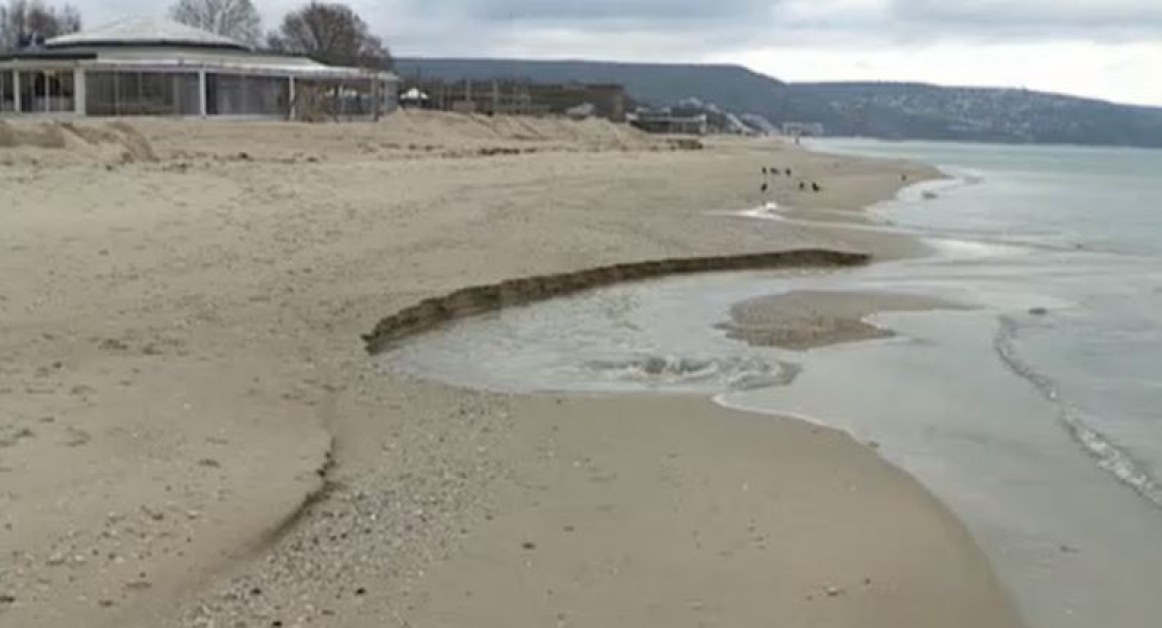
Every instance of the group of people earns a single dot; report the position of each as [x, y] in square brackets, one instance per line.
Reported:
[773, 171]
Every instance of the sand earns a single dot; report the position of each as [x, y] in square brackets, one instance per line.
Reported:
[193, 434]
[807, 319]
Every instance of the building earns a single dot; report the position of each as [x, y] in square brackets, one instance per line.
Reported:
[667, 123]
[143, 67]
[799, 129]
[510, 97]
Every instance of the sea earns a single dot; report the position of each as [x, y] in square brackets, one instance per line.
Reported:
[1035, 414]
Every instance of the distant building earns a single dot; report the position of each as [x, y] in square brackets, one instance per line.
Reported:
[667, 123]
[142, 67]
[506, 97]
[801, 129]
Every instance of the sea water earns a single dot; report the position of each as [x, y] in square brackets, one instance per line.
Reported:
[1036, 415]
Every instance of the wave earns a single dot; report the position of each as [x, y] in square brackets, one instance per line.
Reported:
[1109, 455]
[734, 372]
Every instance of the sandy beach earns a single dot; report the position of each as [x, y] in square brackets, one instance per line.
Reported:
[192, 432]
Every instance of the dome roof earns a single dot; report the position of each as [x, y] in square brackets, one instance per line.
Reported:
[144, 32]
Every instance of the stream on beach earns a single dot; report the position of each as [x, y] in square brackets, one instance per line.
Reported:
[1034, 414]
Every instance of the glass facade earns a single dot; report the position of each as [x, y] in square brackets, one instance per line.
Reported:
[247, 95]
[7, 91]
[41, 91]
[114, 91]
[117, 93]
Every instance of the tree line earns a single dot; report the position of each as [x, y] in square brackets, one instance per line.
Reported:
[328, 32]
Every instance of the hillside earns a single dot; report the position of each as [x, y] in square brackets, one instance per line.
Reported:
[908, 110]
[883, 110]
[652, 83]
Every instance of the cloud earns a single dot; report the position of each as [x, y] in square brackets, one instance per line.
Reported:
[696, 28]
[1010, 21]
[657, 13]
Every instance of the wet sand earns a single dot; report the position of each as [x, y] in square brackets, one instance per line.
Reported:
[807, 319]
[193, 433]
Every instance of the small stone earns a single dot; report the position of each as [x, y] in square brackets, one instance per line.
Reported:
[361, 591]
[7, 598]
[833, 591]
[209, 463]
[529, 545]
[154, 514]
[256, 591]
[105, 603]
[1039, 311]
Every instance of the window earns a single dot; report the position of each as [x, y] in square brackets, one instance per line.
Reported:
[142, 94]
[242, 95]
[46, 91]
[7, 91]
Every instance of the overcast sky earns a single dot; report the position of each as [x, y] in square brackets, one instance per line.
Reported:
[1103, 48]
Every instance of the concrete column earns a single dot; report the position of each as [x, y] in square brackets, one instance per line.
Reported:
[16, 87]
[291, 113]
[202, 93]
[80, 92]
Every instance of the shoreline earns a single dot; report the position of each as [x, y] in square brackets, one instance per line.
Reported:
[240, 288]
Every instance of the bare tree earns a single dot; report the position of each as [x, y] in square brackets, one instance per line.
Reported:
[24, 22]
[330, 33]
[236, 19]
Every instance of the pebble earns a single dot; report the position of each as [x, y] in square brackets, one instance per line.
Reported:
[834, 591]
[156, 515]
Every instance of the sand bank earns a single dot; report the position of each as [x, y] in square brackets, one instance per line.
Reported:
[181, 370]
[806, 319]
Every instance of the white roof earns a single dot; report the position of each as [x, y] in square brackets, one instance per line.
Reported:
[144, 31]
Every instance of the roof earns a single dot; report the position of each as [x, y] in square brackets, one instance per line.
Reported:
[144, 32]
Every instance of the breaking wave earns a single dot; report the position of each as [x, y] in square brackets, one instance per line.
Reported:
[733, 372]
[1108, 454]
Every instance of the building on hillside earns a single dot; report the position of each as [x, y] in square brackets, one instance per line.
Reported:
[142, 67]
[667, 123]
[506, 97]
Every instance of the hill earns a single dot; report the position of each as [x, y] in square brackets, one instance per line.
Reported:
[920, 111]
[652, 83]
[882, 110]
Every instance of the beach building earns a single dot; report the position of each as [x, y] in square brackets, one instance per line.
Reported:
[519, 97]
[799, 129]
[147, 67]
[666, 123]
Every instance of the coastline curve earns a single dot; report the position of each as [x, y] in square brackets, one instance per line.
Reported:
[431, 313]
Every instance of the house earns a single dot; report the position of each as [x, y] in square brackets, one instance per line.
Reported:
[145, 67]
